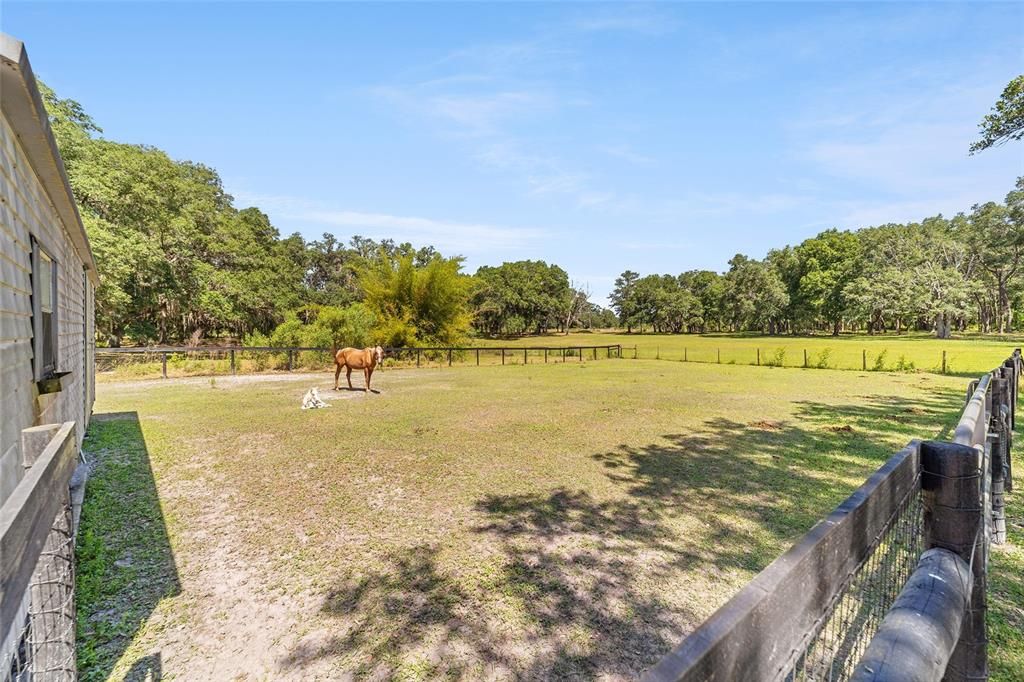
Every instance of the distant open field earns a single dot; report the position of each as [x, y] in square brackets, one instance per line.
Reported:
[504, 523]
[909, 352]
[964, 356]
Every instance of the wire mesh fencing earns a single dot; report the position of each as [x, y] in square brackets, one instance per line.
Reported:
[41, 645]
[852, 619]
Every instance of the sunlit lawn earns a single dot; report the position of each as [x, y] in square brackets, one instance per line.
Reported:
[493, 522]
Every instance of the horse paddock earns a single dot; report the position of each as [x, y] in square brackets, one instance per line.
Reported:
[523, 522]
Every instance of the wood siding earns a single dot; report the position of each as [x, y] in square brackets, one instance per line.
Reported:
[26, 212]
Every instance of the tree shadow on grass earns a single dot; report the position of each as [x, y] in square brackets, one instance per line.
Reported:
[582, 585]
[124, 561]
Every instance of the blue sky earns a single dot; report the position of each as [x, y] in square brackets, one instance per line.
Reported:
[602, 137]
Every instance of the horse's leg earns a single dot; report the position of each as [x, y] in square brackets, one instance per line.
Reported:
[337, 373]
[348, 375]
[369, 373]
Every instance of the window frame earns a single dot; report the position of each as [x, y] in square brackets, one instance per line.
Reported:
[41, 369]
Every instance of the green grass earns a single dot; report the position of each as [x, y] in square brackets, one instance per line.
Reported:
[969, 355]
[1006, 588]
[546, 521]
[124, 563]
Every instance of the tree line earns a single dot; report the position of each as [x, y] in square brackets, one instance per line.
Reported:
[938, 274]
[178, 262]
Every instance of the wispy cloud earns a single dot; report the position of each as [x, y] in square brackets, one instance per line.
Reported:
[471, 113]
[903, 145]
[634, 19]
[627, 153]
[449, 236]
[490, 99]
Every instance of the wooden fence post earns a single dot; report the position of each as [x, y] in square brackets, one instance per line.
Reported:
[805, 358]
[163, 366]
[563, 355]
[503, 356]
[581, 353]
[449, 357]
[758, 357]
[290, 360]
[864, 360]
[545, 355]
[477, 357]
[943, 361]
[686, 357]
[719, 356]
[418, 357]
[952, 497]
[524, 356]
[999, 433]
[232, 361]
[595, 353]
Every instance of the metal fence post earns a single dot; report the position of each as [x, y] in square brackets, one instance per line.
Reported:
[805, 358]
[290, 359]
[503, 356]
[952, 489]
[581, 353]
[595, 353]
[449, 357]
[524, 356]
[477, 357]
[719, 356]
[758, 357]
[864, 360]
[163, 366]
[233, 361]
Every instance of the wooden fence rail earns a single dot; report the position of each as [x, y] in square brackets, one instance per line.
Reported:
[27, 524]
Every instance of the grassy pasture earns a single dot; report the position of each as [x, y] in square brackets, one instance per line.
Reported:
[546, 521]
[966, 356]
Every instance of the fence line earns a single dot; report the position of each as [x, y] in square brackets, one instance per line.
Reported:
[37, 606]
[857, 598]
[823, 360]
[231, 354]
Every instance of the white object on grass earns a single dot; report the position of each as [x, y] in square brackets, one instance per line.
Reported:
[312, 400]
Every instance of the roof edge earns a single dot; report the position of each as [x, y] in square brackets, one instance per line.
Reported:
[27, 115]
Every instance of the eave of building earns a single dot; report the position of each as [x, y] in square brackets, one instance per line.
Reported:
[23, 107]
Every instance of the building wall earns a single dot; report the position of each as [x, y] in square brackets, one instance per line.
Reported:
[26, 210]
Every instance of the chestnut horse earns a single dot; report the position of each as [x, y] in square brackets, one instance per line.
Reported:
[365, 359]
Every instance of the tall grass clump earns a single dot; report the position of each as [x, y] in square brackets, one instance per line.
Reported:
[879, 365]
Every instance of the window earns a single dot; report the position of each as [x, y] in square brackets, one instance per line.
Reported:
[44, 312]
